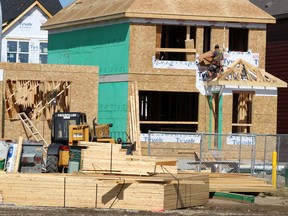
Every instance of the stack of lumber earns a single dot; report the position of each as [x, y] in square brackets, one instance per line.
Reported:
[153, 193]
[206, 156]
[109, 158]
[236, 182]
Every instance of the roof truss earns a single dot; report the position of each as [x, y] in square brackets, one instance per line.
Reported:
[242, 73]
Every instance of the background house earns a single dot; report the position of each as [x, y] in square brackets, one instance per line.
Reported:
[277, 52]
[22, 39]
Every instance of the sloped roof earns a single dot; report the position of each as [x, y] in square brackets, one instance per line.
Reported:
[92, 11]
[13, 8]
[273, 7]
[242, 73]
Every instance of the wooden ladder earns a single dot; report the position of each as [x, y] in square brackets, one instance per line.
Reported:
[33, 130]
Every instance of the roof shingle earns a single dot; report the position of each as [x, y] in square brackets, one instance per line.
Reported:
[13, 8]
[273, 7]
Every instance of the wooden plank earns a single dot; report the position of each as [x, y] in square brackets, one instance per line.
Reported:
[168, 122]
[175, 50]
[18, 155]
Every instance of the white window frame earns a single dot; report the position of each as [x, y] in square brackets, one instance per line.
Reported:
[43, 52]
[18, 52]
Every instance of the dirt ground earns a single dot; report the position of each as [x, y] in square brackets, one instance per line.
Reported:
[264, 205]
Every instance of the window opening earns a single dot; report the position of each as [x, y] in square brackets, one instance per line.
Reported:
[238, 39]
[43, 53]
[168, 111]
[173, 37]
[242, 112]
[207, 39]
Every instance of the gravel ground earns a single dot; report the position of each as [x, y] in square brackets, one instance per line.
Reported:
[264, 205]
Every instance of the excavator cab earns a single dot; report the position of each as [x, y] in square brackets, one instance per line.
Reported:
[58, 150]
[61, 123]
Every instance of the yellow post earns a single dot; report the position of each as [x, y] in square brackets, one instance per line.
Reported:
[274, 168]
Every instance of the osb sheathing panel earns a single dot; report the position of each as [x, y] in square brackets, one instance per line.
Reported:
[219, 36]
[141, 68]
[227, 113]
[199, 39]
[208, 10]
[84, 91]
[162, 82]
[264, 114]
[203, 114]
[257, 43]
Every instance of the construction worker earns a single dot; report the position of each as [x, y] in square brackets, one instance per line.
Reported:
[216, 67]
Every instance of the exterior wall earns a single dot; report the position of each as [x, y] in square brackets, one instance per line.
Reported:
[84, 84]
[219, 36]
[141, 68]
[264, 115]
[113, 105]
[28, 30]
[108, 48]
[227, 113]
[152, 79]
[99, 46]
[276, 64]
[257, 43]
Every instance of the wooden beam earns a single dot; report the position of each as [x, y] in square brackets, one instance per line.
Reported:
[18, 155]
[168, 122]
[175, 50]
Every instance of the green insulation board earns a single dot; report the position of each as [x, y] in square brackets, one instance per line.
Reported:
[113, 107]
[104, 46]
[108, 48]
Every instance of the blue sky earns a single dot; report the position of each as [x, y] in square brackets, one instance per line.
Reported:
[65, 2]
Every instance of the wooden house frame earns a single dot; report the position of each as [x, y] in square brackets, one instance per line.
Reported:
[155, 51]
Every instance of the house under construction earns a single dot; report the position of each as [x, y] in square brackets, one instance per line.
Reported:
[149, 76]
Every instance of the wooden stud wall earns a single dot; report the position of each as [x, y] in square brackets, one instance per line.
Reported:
[84, 92]
[38, 95]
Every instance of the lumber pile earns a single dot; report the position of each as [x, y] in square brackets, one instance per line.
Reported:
[153, 193]
[237, 182]
[109, 158]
